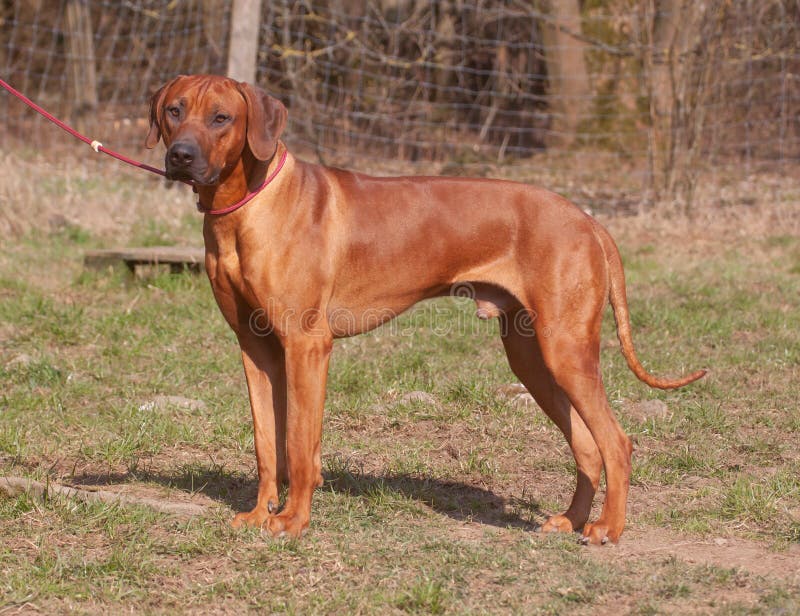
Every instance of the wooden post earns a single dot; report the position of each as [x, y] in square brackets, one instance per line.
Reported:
[243, 46]
[82, 71]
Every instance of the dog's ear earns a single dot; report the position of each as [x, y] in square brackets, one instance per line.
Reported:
[156, 102]
[266, 119]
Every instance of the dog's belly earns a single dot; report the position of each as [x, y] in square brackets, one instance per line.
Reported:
[491, 301]
[410, 241]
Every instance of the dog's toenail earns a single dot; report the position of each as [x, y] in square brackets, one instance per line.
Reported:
[271, 506]
[604, 540]
[584, 540]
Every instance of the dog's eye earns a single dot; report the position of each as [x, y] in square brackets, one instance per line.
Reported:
[221, 118]
[174, 111]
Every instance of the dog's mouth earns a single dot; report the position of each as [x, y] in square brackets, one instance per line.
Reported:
[204, 177]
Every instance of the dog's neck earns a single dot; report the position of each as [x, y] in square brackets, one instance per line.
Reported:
[246, 176]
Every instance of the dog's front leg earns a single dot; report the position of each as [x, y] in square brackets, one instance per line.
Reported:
[307, 356]
[264, 368]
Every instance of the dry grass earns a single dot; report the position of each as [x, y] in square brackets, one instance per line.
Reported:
[108, 199]
[100, 197]
[430, 505]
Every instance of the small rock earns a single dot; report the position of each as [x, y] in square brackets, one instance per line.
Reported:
[516, 394]
[418, 397]
[654, 408]
[161, 403]
[720, 541]
[523, 400]
[511, 389]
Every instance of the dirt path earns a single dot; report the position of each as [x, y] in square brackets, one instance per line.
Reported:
[648, 544]
[724, 552]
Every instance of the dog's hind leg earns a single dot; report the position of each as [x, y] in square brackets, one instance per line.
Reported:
[527, 363]
[573, 357]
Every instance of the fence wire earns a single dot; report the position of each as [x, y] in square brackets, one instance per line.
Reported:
[663, 87]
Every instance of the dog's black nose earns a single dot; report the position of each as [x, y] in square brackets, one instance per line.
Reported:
[182, 154]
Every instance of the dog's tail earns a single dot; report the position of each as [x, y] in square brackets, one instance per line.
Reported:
[619, 303]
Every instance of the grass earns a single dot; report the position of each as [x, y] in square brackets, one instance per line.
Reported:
[428, 507]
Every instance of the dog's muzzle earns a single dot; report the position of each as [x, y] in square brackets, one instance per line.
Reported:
[184, 161]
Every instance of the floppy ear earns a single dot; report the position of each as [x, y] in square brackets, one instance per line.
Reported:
[156, 102]
[266, 119]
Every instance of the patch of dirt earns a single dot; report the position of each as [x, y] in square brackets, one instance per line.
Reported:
[647, 544]
[723, 552]
[473, 532]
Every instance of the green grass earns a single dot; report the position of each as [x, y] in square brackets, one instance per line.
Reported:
[429, 506]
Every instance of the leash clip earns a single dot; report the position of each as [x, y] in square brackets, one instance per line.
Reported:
[96, 145]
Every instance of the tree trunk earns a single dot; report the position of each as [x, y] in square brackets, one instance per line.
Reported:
[568, 80]
[664, 21]
[674, 28]
[81, 60]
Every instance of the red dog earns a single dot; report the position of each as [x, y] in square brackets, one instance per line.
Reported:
[316, 244]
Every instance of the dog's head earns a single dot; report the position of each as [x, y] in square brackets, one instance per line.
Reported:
[207, 122]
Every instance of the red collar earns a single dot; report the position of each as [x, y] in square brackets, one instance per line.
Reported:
[249, 196]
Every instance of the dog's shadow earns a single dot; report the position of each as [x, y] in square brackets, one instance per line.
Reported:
[457, 500]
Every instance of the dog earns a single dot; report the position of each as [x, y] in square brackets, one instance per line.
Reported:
[300, 254]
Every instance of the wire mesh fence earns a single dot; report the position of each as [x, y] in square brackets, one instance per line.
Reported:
[659, 92]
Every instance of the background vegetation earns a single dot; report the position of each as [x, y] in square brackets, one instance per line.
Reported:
[672, 90]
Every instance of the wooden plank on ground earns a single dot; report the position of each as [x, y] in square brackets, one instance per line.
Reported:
[13, 487]
[177, 257]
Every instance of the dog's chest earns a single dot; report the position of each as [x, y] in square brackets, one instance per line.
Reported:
[231, 275]
[230, 282]
[224, 272]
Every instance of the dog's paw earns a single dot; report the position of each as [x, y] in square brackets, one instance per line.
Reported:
[254, 518]
[557, 524]
[599, 534]
[286, 524]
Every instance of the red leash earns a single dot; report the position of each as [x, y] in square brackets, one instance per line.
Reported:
[99, 147]
[96, 145]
